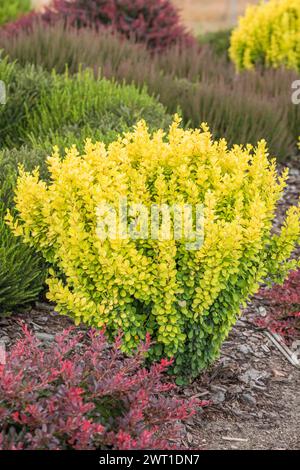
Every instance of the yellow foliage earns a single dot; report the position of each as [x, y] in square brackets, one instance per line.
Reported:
[268, 34]
[187, 299]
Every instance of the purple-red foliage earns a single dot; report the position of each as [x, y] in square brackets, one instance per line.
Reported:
[81, 393]
[153, 22]
[283, 315]
[24, 23]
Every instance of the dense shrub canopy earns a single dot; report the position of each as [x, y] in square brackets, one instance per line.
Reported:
[269, 35]
[187, 299]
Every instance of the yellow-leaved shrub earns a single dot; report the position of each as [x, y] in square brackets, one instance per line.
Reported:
[186, 299]
[269, 35]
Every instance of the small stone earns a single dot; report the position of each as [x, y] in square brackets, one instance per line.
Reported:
[253, 375]
[44, 319]
[244, 349]
[295, 345]
[4, 340]
[235, 389]
[45, 336]
[249, 399]
[262, 311]
[294, 172]
[218, 397]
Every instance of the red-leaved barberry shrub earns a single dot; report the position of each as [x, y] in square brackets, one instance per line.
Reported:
[81, 393]
[155, 23]
[283, 311]
[24, 23]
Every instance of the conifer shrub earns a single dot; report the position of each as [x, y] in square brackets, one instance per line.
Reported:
[268, 35]
[187, 300]
[82, 394]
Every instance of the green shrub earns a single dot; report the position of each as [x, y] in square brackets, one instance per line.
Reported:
[187, 299]
[12, 9]
[23, 87]
[268, 35]
[44, 108]
[77, 107]
[243, 107]
[218, 40]
[22, 272]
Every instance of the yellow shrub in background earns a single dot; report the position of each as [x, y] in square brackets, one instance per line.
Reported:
[186, 299]
[269, 35]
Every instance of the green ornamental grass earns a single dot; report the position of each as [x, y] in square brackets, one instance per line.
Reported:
[200, 85]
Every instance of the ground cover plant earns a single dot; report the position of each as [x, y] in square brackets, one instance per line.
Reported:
[156, 23]
[81, 394]
[243, 108]
[187, 299]
[268, 35]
